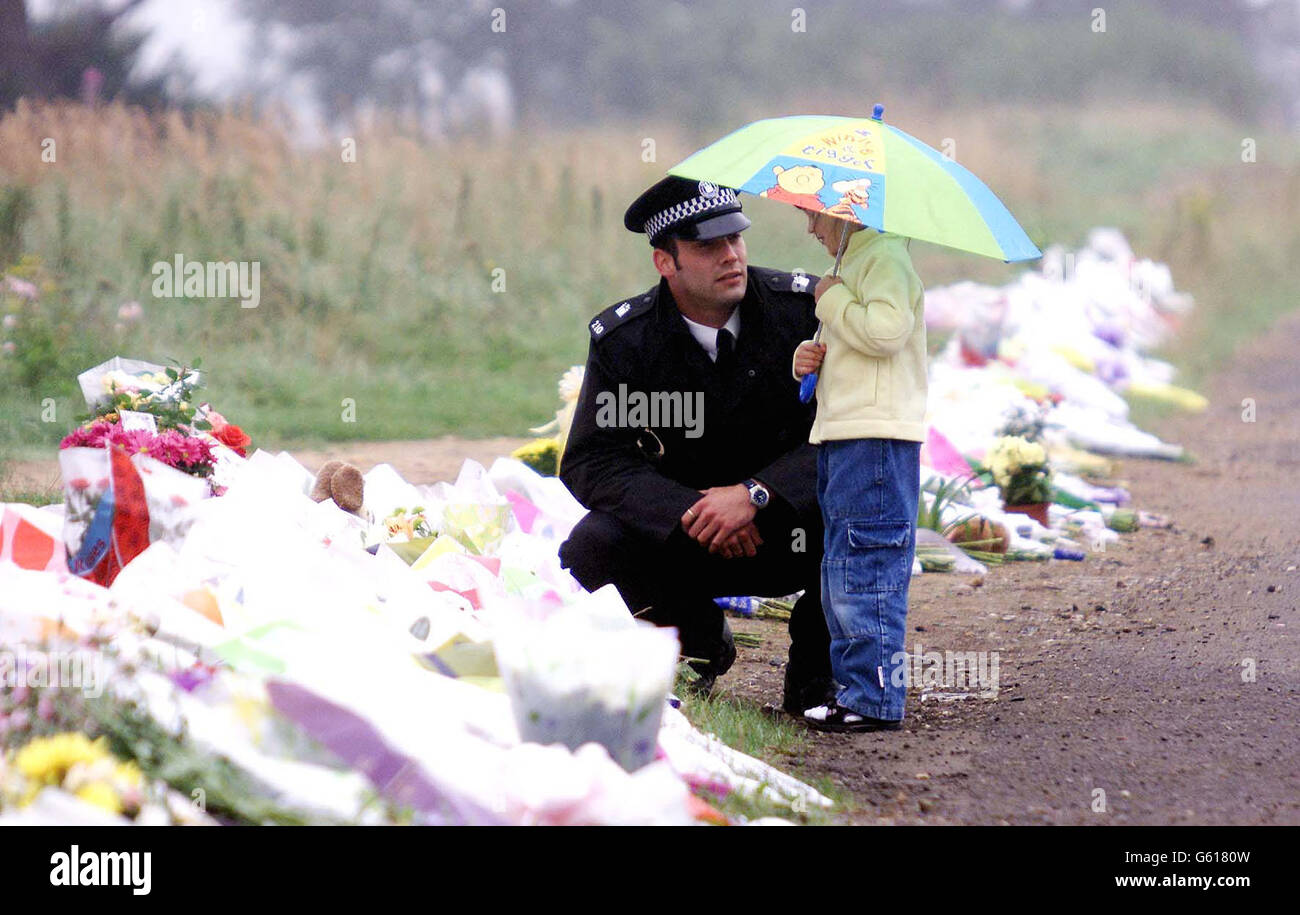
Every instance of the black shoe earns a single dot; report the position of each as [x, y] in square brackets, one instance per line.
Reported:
[837, 719]
[709, 671]
[805, 694]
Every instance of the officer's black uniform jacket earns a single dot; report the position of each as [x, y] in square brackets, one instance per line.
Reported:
[753, 423]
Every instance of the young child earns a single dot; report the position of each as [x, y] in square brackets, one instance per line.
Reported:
[870, 424]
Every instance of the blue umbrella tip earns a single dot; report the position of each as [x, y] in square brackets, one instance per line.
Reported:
[877, 112]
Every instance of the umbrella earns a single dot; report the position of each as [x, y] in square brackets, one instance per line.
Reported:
[865, 171]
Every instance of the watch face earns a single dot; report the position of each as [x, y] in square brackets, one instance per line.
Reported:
[757, 494]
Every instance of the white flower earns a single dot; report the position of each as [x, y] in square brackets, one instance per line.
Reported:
[571, 383]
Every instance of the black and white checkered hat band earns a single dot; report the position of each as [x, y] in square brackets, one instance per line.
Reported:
[722, 197]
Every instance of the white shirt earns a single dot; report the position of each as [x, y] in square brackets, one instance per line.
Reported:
[707, 336]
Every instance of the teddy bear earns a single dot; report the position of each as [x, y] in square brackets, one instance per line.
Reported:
[341, 482]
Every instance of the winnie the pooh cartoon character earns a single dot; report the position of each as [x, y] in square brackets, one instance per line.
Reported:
[797, 185]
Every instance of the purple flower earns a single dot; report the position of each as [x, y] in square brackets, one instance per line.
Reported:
[192, 678]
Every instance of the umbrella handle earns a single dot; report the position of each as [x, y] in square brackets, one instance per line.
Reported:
[808, 383]
[839, 255]
[807, 387]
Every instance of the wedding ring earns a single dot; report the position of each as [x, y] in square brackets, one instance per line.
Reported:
[691, 513]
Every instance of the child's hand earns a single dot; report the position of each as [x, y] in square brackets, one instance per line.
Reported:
[823, 284]
[808, 357]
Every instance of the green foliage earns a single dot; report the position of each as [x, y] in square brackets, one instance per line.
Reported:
[946, 493]
[15, 208]
[231, 794]
[51, 335]
[774, 739]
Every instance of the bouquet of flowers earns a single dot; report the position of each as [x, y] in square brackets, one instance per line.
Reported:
[1025, 421]
[78, 765]
[408, 524]
[130, 469]
[1020, 470]
[141, 396]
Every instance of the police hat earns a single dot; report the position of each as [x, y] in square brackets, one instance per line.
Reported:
[691, 210]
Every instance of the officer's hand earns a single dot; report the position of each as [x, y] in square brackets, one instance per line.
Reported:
[808, 357]
[744, 542]
[823, 284]
[723, 511]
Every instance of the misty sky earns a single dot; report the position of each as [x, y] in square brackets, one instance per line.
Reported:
[206, 33]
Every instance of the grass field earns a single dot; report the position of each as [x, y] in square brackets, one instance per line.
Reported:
[427, 289]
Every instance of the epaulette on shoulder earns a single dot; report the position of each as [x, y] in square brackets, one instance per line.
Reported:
[617, 315]
[780, 281]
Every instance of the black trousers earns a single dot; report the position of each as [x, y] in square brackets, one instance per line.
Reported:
[673, 583]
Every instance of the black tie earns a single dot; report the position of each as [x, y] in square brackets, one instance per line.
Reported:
[726, 343]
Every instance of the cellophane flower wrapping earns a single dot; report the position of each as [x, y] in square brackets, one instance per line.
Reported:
[574, 679]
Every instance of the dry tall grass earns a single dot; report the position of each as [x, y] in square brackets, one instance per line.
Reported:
[378, 275]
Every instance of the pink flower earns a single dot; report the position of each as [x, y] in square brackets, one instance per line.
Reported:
[171, 447]
[9, 346]
[212, 416]
[93, 436]
[22, 288]
[131, 311]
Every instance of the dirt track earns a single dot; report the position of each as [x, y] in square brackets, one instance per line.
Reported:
[1123, 672]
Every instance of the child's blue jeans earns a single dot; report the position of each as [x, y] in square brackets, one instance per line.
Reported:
[868, 490]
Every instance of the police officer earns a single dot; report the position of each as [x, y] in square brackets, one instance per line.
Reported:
[689, 444]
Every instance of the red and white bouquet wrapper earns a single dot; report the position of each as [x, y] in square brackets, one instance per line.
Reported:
[95, 534]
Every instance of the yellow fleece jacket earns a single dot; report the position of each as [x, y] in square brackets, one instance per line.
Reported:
[873, 380]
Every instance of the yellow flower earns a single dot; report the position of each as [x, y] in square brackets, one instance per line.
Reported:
[535, 449]
[542, 454]
[47, 759]
[101, 795]
[129, 774]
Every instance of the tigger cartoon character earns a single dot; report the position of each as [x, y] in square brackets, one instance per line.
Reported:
[852, 193]
[797, 185]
